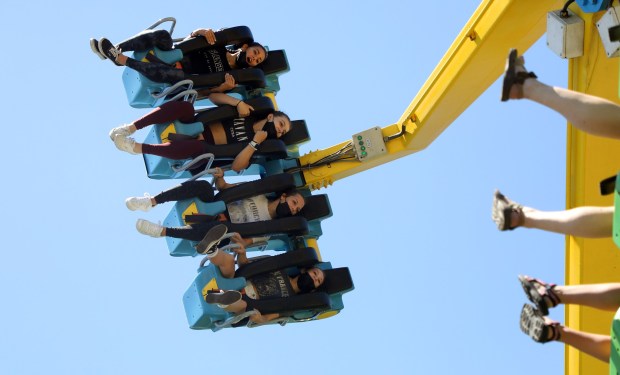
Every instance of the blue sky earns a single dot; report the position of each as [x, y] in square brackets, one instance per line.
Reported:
[436, 283]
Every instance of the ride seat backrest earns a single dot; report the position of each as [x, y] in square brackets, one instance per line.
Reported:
[262, 107]
[303, 258]
[276, 63]
[337, 280]
[294, 226]
[292, 304]
[298, 133]
[269, 184]
[252, 77]
[237, 36]
[316, 207]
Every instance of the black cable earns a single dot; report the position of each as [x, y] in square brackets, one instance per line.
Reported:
[564, 11]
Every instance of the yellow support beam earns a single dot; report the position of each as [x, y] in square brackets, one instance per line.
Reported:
[473, 62]
[589, 160]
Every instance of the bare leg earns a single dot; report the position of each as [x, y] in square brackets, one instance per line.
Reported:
[237, 307]
[588, 113]
[599, 296]
[587, 222]
[225, 262]
[598, 346]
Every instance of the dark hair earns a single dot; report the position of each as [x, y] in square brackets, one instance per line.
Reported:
[281, 114]
[292, 191]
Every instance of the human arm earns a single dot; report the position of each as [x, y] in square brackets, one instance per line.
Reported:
[208, 34]
[242, 107]
[241, 251]
[228, 84]
[220, 183]
[242, 160]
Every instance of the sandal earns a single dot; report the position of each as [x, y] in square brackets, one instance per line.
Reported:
[502, 210]
[514, 77]
[533, 324]
[531, 287]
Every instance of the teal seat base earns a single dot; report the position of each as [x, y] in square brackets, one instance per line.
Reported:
[140, 89]
[179, 247]
[158, 167]
[199, 313]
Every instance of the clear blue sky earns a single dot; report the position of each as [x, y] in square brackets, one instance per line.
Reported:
[436, 283]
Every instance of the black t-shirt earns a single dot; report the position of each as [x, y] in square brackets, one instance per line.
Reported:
[206, 60]
[274, 284]
[239, 130]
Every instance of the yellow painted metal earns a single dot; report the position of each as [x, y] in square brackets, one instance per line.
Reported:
[473, 62]
[590, 159]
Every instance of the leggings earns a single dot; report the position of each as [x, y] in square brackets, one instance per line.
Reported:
[177, 150]
[167, 112]
[159, 71]
[200, 189]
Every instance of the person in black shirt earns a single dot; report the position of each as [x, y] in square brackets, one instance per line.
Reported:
[275, 284]
[245, 129]
[195, 62]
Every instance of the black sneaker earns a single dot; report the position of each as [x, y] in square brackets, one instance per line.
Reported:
[209, 243]
[223, 298]
[107, 49]
[94, 45]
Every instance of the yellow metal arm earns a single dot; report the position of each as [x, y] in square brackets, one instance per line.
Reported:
[473, 62]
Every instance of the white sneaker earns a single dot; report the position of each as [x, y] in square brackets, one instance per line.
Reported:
[124, 143]
[148, 228]
[139, 203]
[124, 130]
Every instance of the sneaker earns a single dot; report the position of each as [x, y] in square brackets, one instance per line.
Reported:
[148, 228]
[223, 299]
[139, 203]
[94, 45]
[124, 130]
[209, 243]
[107, 49]
[125, 144]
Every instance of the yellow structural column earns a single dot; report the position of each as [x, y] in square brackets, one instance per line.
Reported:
[590, 159]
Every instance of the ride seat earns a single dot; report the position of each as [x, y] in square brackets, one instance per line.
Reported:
[140, 90]
[158, 167]
[178, 216]
[325, 302]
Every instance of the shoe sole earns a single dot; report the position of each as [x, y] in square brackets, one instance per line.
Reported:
[212, 238]
[532, 323]
[227, 298]
[136, 207]
[532, 294]
[101, 51]
[508, 76]
[94, 45]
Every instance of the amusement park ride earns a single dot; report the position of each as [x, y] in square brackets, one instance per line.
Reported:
[494, 28]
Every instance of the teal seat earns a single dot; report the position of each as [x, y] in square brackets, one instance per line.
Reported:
[139, 89]
[325, 302]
